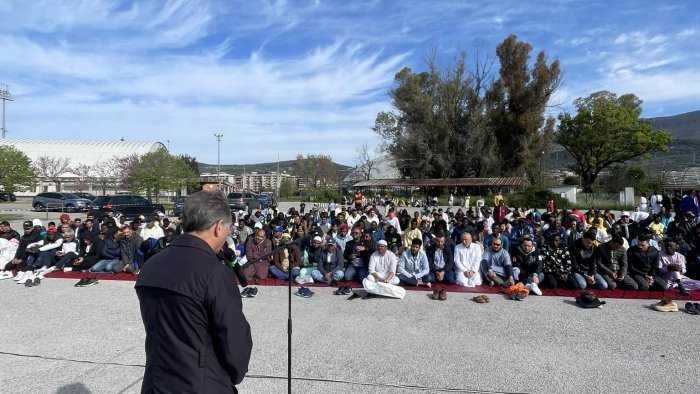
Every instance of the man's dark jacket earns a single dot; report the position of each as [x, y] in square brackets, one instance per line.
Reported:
[448, 256]
[197, 338]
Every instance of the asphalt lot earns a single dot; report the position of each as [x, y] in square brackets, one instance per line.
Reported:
[62, 339]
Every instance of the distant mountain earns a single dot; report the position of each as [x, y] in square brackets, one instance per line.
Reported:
[682, 151]
[682, 127]
[261, 168]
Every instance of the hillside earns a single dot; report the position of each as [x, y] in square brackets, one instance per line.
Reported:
[285, 166]
[683, 126]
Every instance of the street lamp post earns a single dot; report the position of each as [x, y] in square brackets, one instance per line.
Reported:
[218, 158]
[5, 96]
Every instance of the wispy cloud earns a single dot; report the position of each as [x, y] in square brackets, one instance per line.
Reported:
[302, 76]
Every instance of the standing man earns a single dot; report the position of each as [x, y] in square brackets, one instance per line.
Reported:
[197, 338]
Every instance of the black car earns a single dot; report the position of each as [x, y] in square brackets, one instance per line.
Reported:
[124, 205]
[7, 196]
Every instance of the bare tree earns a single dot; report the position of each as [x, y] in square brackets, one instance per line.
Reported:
[366, 161]
[51, 168]
[124, 166]
[104, 175]
[83, 171]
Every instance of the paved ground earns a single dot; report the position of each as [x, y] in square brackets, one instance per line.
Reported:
[61, 339]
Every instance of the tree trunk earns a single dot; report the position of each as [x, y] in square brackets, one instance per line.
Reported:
[587, 179]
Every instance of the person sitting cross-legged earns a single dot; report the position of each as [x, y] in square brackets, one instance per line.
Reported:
[441, 257]
[110, 256]
[613, 264]
[643, 261]
[585, 258]
[286, 261]
[382, 279]
[413, 266]
[329, 264]
[467, 259]
[496, 266]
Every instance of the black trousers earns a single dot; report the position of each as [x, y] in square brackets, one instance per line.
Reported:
[659, 284]
[627, 283]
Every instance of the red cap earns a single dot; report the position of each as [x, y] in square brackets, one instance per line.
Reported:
[52, 230]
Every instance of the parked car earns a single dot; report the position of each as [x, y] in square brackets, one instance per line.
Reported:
[7, 196]
[267, 199]
[59, 201]
[124, 205]
[88, 196]
[177, 206]
[243, 201]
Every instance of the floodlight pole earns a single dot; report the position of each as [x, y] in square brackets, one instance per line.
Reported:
[5, 96]
[218, 158]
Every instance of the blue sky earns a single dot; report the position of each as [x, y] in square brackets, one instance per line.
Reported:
[289, 77]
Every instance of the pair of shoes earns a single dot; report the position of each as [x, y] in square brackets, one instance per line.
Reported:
[521, 295]
[692, 308]
[32, 282]
[514, 295]
[534, 288]
[6, 275]
[343, 290]
[481, 299]
[666, 305]
[249, 292]
[304, 292]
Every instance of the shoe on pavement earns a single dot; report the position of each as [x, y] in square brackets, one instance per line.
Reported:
[442, 295]
[666, 306]
[435, 295]
[690, 308]
[347, 290]
[81, 282]
[37, 280]
[340, 291]
[354, 296]
[29, 281]
[90, 282]
[245, 292]
[253, 292]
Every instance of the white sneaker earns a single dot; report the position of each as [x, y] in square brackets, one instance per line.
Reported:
[534, 288]
[28, 276]
[20, 275]
[40, 275]
[6, 275]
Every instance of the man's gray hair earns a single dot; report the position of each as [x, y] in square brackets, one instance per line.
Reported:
[69, 231]
[203, 209]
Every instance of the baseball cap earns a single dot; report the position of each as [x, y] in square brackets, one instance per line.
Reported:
[279, 229]
[52, 230]
[257, 225]
[27, 225]
[36, 222]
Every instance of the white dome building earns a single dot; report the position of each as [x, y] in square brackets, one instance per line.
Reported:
[79, 154]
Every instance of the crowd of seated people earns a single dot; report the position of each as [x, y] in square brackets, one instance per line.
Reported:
[469, 246]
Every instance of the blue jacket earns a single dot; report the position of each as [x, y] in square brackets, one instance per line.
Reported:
[111, 249]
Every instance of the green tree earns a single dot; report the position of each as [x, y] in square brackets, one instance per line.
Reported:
[159, 171]
[516, 104]
[607, 130]
[287, 188]
[16, 171]
[438, 118]
[316, 171]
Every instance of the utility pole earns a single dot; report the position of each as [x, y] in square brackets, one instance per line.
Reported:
[277, 192]
[5, 96]
[218, 158]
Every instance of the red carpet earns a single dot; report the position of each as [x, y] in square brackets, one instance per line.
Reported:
[617, 293]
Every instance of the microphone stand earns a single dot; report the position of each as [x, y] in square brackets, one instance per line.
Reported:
[289, 305]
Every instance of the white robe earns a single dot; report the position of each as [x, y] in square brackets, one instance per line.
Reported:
[468, 259]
